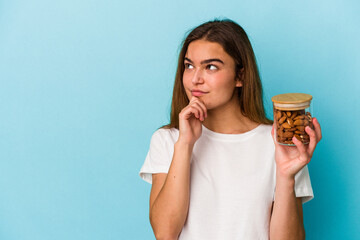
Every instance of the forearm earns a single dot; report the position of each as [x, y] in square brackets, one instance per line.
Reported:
[286, 222]
[169, 211]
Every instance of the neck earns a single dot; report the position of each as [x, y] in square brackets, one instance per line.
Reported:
[228, 119]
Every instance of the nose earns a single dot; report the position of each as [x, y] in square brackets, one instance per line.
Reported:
[197, 77]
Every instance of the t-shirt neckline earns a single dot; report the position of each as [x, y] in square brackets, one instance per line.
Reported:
[230, 137]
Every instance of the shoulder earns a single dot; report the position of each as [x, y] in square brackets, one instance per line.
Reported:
[169, 135]
[265, 129]
[264, 134]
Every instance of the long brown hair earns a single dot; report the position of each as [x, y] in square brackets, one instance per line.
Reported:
[235, 42]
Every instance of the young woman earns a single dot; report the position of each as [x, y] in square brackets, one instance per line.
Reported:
[216, 170]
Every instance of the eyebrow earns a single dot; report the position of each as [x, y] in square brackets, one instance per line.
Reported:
[207, 60]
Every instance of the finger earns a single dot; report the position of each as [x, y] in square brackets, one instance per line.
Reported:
[304, 157]
[193, 98]
[317, 129]
[197, 111]
[201, 111]
[202, 106]
[189, 111]
[313, 140]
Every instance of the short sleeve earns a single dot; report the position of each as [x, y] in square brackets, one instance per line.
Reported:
[159, 156]
[303, 187]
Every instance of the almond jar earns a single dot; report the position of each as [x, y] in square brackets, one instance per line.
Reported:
[292, 113]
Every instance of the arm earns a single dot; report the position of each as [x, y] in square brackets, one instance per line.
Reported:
[168, 212]
[169, 199]
[287, 215]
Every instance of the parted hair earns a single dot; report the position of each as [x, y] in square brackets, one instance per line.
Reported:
[234, 40]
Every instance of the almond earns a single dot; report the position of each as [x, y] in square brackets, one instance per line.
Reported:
[282, 119]
[286, 125]
[299, 117]
[299, 122]
[298, 137]
[294, 114]
[288, 134]
[290, 122]
[301, 128]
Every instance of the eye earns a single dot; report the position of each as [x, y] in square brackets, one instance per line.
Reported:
[188, 66]
[211, 67]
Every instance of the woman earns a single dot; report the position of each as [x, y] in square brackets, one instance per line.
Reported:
[216, 171]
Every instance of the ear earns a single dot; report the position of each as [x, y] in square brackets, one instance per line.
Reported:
[238, 83]
[239, 78]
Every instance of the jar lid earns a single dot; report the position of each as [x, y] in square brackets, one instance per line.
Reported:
[292, 101]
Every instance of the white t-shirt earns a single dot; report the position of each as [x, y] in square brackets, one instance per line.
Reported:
[232, 184]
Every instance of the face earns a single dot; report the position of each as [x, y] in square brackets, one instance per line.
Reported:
[208, 68]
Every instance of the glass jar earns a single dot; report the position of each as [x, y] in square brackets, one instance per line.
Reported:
[292, 113]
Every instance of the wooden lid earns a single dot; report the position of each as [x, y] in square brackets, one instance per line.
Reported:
[291, 101]
[292, 98]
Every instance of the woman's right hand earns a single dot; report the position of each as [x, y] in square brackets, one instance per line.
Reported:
[190, 121]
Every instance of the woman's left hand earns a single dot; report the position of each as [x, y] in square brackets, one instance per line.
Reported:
[289, 159]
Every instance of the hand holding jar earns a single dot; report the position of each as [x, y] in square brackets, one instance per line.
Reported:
[294, 126]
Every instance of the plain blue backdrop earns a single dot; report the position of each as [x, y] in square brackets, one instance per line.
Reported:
[84, 84]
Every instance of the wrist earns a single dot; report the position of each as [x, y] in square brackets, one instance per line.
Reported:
[284, 176]
[285, 181]
[182, 144]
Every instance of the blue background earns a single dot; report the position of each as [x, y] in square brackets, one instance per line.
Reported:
[84, 84]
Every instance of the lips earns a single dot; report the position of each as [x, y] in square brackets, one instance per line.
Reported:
[197, 93]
